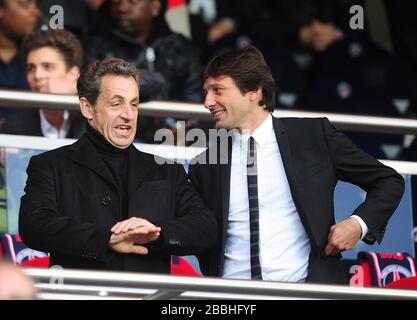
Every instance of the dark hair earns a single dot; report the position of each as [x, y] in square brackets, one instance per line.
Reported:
[89, 82]
[248, 69]
[62, 40]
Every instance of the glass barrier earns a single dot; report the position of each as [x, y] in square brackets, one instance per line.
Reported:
[398, 237]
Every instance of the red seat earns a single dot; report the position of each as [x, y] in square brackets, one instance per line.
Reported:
[180, 266]
[404, 283]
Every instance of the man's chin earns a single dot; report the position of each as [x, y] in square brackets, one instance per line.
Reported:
[122, 145]
[121, 142]
[220, 125]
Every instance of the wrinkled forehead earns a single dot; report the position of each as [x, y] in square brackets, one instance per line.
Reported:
[124, 87]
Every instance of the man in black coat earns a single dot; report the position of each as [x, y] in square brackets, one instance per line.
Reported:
[102, 204]
[274, 204]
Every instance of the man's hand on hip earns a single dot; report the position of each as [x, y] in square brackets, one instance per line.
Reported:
[343, 236]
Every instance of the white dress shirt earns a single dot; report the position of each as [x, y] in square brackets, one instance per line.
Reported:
[49, 131]
[284, 244]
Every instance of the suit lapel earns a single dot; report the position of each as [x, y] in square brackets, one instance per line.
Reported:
[288, 161]
[84, 153]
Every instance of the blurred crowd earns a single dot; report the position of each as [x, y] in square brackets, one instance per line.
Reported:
[318, 61]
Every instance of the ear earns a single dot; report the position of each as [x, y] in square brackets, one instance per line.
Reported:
[255, 95]
[155, 7]
[74, 73]
[86, 109]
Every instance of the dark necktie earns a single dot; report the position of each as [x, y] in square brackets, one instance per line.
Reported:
[251, 168]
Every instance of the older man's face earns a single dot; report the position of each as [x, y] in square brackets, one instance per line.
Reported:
[116, 110]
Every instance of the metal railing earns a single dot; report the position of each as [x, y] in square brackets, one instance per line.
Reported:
[56, 283]
[20, 99]
[165, 151]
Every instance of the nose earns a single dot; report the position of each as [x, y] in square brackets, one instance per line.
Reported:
[129, 113]
[35, 11]
[209, 101]
[39, 73]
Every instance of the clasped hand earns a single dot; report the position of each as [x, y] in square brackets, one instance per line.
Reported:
[130, 236]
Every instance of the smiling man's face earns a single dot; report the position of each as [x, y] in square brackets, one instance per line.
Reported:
[229, 107]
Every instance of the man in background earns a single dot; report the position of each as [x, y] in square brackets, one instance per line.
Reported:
[137, 32]
[53, 60]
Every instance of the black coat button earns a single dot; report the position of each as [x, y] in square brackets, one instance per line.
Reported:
[106, 200]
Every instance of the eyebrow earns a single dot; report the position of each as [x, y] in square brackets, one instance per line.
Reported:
[41, 63]
[218, 85]
[119, 97]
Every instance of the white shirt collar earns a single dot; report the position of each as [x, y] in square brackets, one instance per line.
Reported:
[262, 134]
[50, 131]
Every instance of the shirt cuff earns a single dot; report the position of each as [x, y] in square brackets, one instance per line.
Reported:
[363, 225]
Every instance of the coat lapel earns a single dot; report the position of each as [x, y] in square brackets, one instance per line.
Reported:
[84, 153]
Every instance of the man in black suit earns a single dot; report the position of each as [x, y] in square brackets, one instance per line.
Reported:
[53, 59]
[274, 205]
[102, 204]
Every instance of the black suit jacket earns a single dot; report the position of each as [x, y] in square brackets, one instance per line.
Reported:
[71, 202]
[28, 122]
[315, 156]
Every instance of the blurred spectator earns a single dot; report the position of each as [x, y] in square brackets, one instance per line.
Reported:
[347, 73]
[14, 285]
[319, 35]
[350, 72]
[17, 19]
[214, 19]
[271, 15]
[53, 60]
[317, 25]
[286, 73]
[136, 31]
[403, 25]
[320, 23]
[361, 78]
[232, 32]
